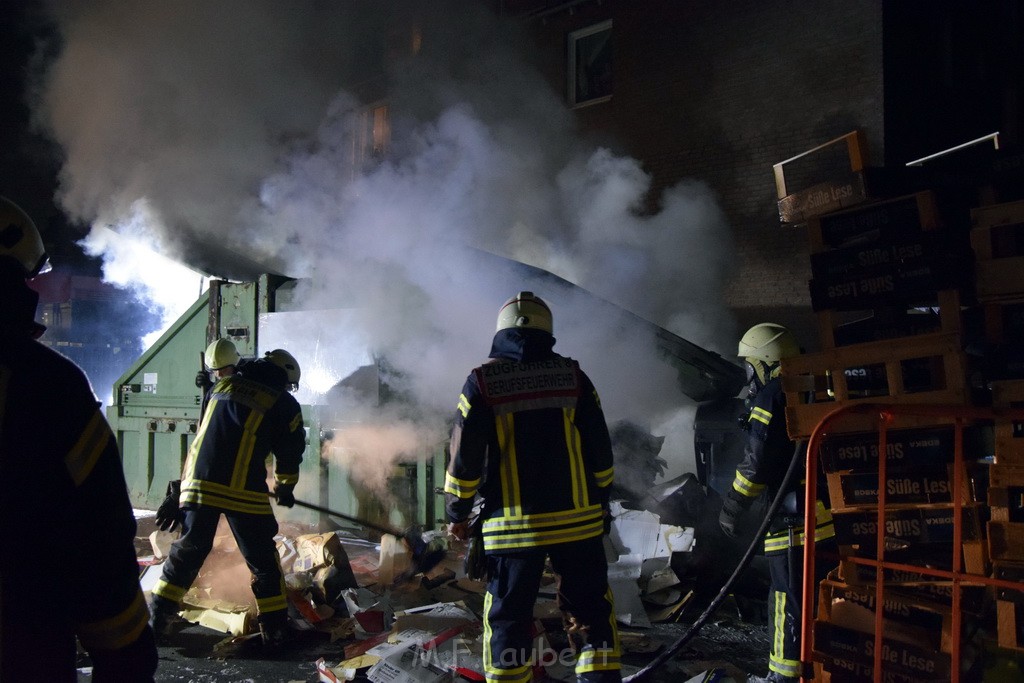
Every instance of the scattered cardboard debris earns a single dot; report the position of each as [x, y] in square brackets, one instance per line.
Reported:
[161, 542]
[219, 615]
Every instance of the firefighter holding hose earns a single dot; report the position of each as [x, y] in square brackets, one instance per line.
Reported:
[767, 457]
[531, 439]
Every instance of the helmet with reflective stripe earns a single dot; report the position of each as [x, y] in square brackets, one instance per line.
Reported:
[768, 342]
[220, 354]
[525, 310]
[286, 362]
[20, 240]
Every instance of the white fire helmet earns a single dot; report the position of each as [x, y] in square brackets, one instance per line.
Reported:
[20, 240]
[525, 310]
[220, 354]
[287, 362]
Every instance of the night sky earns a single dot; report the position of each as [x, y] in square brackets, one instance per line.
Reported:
[29, 162]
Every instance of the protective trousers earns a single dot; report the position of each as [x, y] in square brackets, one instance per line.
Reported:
[583, 594]
[255, 537]
[785, 603]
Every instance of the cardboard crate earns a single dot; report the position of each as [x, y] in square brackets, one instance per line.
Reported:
[997, 237]
[852, 189]
[1009, 434]
[845, 604]
[900, 284]
[839, 670]
[870, 224]
[906, 527]
[858, 451]
[926, 586]
[833, 640]
[926, 369]
[924, 484]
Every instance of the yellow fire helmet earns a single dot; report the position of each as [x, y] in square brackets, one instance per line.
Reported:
[768, 342]
[220, 354]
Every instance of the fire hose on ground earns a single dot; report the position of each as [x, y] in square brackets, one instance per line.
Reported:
[670, 652]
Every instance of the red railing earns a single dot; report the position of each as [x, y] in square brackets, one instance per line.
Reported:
[887, 414]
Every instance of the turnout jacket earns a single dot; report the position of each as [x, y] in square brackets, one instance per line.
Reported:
[250, 414]
[64, 490]
[529, 437]
[766, 458]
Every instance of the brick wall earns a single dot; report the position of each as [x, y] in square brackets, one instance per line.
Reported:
[720, 92]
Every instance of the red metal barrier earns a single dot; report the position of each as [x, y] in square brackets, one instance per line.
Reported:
[887, 414]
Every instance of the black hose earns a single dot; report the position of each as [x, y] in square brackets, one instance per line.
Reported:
[798, 458]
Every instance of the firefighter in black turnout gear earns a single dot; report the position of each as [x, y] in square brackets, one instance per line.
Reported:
[221, 359]
[63, 479]
[250, 415]
[767, 457]
[531, 439]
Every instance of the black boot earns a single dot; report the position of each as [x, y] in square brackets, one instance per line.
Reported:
[164, 618]
[613, 676]
[274, 631]
[772, 677]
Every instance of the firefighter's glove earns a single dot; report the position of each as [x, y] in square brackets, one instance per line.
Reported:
[607, 521]
[285, 495]
[168, 515]
[731, 511]
[460, 530]
[203, 380]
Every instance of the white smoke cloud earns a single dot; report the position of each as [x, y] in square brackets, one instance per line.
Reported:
[234, 124]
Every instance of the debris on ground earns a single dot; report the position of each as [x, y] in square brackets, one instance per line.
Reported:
[342, 593]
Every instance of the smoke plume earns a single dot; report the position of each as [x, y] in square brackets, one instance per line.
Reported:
[250, 135]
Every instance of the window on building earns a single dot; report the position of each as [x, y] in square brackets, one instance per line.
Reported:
[590, 64]
[371, 136]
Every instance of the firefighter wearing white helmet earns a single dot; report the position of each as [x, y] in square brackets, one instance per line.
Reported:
[286, 362]
[530, 439]
[251, 415]
[58, 447]
[525, 311]
[767, 456]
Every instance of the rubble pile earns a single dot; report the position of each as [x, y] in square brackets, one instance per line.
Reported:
[354, 595]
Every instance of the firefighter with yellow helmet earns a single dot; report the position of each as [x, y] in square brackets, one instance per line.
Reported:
[221, 359]
[61, 462]
[766, 459]
[531, 439]
[251, 414]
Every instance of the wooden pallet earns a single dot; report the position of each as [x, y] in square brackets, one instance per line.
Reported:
[999, 263]
[817, 384]
[844, 328]
[1003, 319]
[1009, 434]
[1009, 605]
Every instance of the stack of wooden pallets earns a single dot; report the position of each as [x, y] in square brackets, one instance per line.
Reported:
[901, 270]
